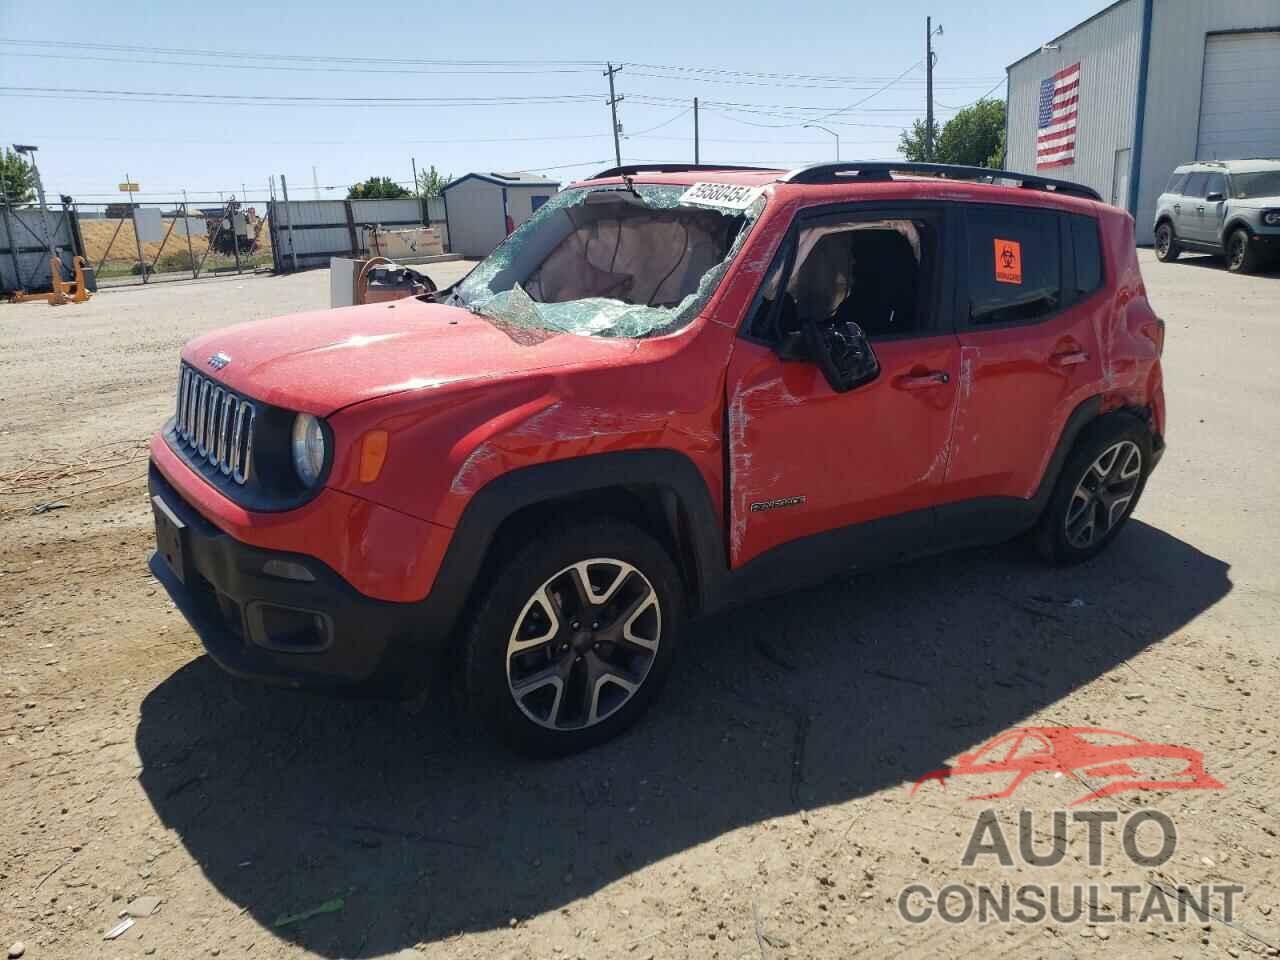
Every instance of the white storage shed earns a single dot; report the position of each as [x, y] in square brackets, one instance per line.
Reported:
[482, 208]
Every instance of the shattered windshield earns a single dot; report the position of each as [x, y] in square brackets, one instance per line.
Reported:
[624, 261]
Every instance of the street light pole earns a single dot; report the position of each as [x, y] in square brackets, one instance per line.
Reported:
[814, 126]
[30, 151]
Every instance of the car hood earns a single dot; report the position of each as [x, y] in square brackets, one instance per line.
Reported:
[321, 361]
[1256, 203]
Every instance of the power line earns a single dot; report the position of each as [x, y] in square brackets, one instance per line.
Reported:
[304, 58]
[293, 99]
[440, 72]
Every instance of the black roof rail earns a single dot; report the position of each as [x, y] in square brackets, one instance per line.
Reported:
[628, 169]
[881, 170]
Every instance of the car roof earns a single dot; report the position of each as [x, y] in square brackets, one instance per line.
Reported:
[1249, 165]
[832, 182]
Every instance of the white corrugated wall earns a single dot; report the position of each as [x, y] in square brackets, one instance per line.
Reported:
[1107, 48]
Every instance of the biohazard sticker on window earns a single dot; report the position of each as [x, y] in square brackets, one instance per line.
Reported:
[1008, 261]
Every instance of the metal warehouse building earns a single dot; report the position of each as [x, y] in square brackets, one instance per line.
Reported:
[1120, 100]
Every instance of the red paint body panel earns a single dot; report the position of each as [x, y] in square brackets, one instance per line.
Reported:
[873, 452]
[322, 361]
[464, 401]
[382, 553]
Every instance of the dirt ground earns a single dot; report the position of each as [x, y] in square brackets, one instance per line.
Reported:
[762, 810]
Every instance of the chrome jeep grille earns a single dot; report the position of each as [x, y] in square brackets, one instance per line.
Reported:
[215, 424]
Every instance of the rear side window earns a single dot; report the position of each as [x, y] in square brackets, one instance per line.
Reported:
[1175, 183]
[1088, 255]
[1015, 265]
[1194, 187]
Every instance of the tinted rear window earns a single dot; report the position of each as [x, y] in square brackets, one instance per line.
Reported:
[1088, 254]
[1175, 183]
[1015, 265]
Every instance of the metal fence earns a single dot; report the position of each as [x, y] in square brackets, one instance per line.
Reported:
[306, 233]
[29, 238]
[141, 240]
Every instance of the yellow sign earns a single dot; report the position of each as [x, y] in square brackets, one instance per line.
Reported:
[129, 188]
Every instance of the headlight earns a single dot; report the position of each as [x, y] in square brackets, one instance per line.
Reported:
[308, 448]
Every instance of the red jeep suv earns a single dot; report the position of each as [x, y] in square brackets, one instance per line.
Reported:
[674, 388]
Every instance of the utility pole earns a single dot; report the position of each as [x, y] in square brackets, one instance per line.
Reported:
[928, 64]
[695, 129]
[417, 187]
[614, 100]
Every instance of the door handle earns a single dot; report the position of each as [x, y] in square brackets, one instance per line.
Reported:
[1200, 208]
[935, 378]
[1070, 358]
[1177, 208]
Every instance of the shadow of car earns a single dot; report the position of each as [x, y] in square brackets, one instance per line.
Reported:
[286, 800]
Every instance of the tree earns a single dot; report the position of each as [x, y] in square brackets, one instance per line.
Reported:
[431, 182]
[974, 137]
[377, 188]
[912, 142]
[17, 178]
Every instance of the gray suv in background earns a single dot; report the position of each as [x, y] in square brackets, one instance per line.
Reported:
[1226, 207]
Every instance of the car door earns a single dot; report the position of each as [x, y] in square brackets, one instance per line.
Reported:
[1209, 212]
[1031, 291]
[1186, 218]
[805, 459]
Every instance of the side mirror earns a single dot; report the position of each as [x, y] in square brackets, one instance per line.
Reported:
[842, 352]
[1215, 197]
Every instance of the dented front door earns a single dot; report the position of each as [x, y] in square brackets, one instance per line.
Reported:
[805, 460]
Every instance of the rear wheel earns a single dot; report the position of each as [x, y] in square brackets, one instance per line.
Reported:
[574, 638]
[1167, 248]
[1097, 490]
[1242, 254]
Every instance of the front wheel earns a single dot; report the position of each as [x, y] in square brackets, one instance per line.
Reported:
[1242, 254]
[1097, 490]
[1167, 248]
[573, 639]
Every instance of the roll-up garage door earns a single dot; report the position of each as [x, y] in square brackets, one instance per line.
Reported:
[1240, 99]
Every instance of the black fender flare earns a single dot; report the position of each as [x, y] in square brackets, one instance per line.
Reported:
[674, 475]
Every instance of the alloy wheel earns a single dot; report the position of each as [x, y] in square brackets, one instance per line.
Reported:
[1237, 251]
[1163, 240]
[583, 644]
[1103, 494]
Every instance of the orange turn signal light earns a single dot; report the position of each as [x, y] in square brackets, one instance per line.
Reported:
[373, 453]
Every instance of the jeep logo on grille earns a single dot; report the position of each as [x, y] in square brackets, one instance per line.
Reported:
[219, 360]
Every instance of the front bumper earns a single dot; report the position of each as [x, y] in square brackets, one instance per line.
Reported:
[257, 620]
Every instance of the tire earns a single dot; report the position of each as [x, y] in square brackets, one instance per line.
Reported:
[1242, 252]
[1167, 247]
[573, 639]
[1096, 489]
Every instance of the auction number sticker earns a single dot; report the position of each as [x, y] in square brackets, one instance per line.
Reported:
[1008, 261]
[724, 196]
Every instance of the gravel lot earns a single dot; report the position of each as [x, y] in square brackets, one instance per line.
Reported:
[761, 811]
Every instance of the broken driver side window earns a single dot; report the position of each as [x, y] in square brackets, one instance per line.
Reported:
[872, 272]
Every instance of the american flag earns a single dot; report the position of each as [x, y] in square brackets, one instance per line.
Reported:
[1056, 136]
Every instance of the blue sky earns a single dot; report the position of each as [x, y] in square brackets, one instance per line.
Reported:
[323, 49]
